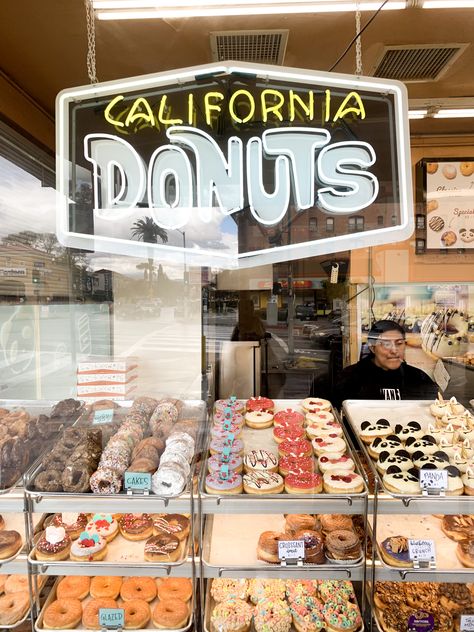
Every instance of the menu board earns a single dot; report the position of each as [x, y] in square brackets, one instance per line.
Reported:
[450, 204]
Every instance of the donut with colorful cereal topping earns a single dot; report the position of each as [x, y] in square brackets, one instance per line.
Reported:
[224, 588]
[307, 613]
[272, 614]
[232, 615]
[341, 616]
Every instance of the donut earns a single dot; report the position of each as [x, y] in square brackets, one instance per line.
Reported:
[223, 589]
[315, 404]
[297, 448]
[341, 616]
[267, 546]
[330, 589]
[173, 524]
[288, 417]
[63, 614]
[10, 543]
[313, 546]
[258, 482]
[175, 588]
[236, 446]
[54, 544]
[331, 430]
[75, 479]
[232, 403]
[259, 419]
[305, 483]
[261, 460]
[288, 464]
[449, 171]
[104, 525]
[16, 583]
[88, 547]
[90, 614]
[376, 429]
[105, 481]
[136, 526]
[328, 445]
[49, 481]
[137, 613]
[307, 613]
[223, 419]
[138, 588]
[105, 587]
[320, 417]
[162, 548]
[234, 463]
[222, 482]
[326, 462]
[343, 544]
[401, 482]
[342, 481]
[168, 481]
[394, 551]
[333, 522]
[13, 607]
[74, 523]
[264, 404]
[295, 522]
[280, 433]
[221, 432]
[300, 588]
[73, 587]
[260, 589]
[272, 614]
[391, 444]
[170, 614]
[232, 615]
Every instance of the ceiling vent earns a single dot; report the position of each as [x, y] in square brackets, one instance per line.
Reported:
[424, 62]
[264, 47]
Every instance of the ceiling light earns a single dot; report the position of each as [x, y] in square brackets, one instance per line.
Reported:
[448, 4]
[454, 113]
[138, 9]
[417, 114]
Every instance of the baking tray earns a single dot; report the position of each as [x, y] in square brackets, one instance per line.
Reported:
[52, 596]
[35, 408]
[210, 604]
[222, 529]
[255, 439]
[398, 412]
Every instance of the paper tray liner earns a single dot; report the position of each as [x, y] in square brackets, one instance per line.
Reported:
[419, 527]
[262, 439]
[121, 551]
[81, 628]
[210, 604]
[245, 530]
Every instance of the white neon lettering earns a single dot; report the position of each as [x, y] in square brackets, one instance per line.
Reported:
[351, 189]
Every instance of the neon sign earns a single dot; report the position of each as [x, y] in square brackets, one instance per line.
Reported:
[192, 156]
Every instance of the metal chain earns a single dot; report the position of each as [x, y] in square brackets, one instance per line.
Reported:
[91, 61]
[358, 45]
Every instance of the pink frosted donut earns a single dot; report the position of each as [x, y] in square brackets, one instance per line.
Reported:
[281, 433]
[288, 417]
[260, 403]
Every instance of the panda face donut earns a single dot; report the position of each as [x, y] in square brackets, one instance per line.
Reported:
[400, 458]
[368, 430]
[466, 234]
[427, 444]
[412, 429]
[389, 444]
[399, 482]
[439, 459]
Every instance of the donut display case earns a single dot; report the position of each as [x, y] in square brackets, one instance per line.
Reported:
[16, 601]
[74, 602]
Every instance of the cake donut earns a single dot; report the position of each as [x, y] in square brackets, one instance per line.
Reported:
[261, 460]
[259, 419]
[315, 405]
[259, 482]
[264, 404]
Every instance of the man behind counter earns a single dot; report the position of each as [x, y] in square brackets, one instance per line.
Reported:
[384, 374]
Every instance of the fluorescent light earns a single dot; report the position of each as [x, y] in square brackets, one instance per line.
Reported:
[417, 114]
[139, 9]
[454, 113]
[448, 4]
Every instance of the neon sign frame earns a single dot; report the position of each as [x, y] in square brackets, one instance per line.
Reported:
[378, 236]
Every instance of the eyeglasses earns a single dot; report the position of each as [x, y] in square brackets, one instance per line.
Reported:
[399, 343]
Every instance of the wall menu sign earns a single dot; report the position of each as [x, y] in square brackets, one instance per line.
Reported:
[234, 164]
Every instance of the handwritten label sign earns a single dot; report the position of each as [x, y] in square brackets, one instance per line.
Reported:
[421, 550]
[137, 481]
[111, 618]
[103, 416]
[291, 550]
[421, 621]
[466, 623]
[435, 480]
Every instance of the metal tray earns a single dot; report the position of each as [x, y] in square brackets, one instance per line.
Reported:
[35, 408]
[276, 503]
[403, 411]
[222, 560]
[210, 604]
[52, 596]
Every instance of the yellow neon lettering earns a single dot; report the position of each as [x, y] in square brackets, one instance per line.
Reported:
[162, 111]
[328, 106]
[136, 112]
[209, 107]
[343, 110]
[190, 108]
[275, 108]
[108, 116]
[307, 108]
[251, 101]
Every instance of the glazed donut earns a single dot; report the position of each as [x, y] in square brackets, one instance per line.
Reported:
[63, 614]
[173, 524]
[170, 614]
[138, 588]
[10, 543]
[106, 586]
[16, 583]
[174, 587]
[90, 614]
[49, 481]
[137, 613]
[73, 587]
[13, 607]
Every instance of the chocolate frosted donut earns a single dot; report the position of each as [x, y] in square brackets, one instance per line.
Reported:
[75, 478]
[343, 544]
[49, 481]
[171, 524]
[162, 547]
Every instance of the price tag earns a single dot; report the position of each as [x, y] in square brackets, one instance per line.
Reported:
[291, 551]
[137, 481]
[466, 623]
[422, 551]
[434, 480]
[103, 416]
[421, 621]
[111, 618]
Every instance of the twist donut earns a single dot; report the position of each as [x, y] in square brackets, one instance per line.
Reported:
[63, 614]
[134, 588]
[170, 613]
